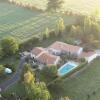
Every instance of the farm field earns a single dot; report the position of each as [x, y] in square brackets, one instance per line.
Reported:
[23, 23]
[83, 6]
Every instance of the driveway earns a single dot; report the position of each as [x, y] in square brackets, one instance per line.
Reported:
[15, 77]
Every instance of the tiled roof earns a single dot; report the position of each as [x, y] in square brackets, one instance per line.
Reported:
[65, 47]
[37, 50]
[47, 58]
[87, 54]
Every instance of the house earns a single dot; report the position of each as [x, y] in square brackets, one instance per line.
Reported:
[44, 57]
[48, 59]
[36, 51]
[60, 46]
[51, 55]
[89, 56]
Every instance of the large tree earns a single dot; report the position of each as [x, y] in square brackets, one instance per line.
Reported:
[9, 45]
[35, 90]
[54, 5]
[60, 26]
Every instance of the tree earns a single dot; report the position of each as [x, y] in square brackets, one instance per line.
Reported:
[60, 26]
[49, 72]
[54, 5]
[9, 45]
[52, 70]
[1, 53]
[27, 73]
[2, 68]
[35, 90]
[64, 98]
[46, 33]
[28, 77]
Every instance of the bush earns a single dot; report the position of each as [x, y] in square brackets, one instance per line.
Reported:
[68, 28]
[52, 33]
[82, 60]
[1, 53]
[69, 41]
[35, 39]
[2, 68]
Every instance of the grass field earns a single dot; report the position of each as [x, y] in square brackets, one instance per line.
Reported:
[23, 23]
[82, 84]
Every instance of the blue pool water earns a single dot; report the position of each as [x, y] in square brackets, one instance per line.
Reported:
[66, 68]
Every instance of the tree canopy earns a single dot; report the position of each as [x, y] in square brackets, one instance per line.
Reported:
[54, 5]
[9, 45]
[34, 90]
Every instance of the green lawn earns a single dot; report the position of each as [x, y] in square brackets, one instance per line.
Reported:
[95, 96]
[82, 84]
[16, 88]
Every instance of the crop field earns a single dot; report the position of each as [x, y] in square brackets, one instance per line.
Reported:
[23, 23]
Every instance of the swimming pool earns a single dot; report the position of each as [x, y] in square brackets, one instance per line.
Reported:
[66, 68]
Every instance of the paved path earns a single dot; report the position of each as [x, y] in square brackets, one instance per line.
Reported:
[15, 77]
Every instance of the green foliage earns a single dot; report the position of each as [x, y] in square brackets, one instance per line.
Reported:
[9, 46]
[46, 34]
[27, 67]
[83, 60]
[54, 5]
[60, 26]
[2, 68]
[50, 71]
[1, 53]
[37, 91]
[34, 90]
[68, 28]
[69, 41]
[52, 33]
[87, 30]
[35, 39]
[64, 98]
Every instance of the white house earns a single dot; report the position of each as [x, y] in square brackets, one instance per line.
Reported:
[60, 46]
[89, 56]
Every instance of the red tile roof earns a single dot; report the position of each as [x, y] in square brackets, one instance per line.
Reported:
[87, 54]
[65, 47]
[47, 58]
[37, 50]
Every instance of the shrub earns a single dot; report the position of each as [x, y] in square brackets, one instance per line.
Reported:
[68, 28]
[1, 53]
[2, 68]
[52, 33]
[35, 39]
[82, 60]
